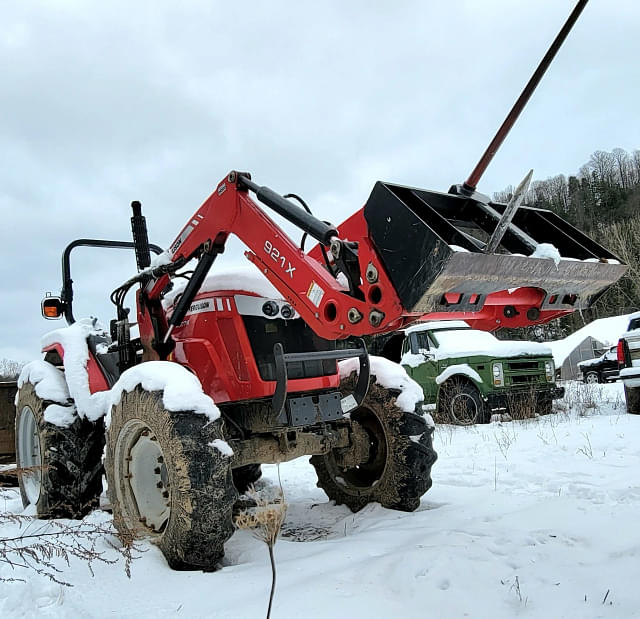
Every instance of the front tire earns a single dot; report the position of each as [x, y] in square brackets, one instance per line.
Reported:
[460, 404]
[168, 481]
[545, 407]
[63, 476]
[245, 476]
[397, 471]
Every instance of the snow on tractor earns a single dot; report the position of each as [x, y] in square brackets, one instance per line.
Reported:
[229, 371]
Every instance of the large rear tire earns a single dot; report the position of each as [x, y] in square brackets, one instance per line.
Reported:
[397, 471]
[632, 396]
[62, 474]
[168, 481]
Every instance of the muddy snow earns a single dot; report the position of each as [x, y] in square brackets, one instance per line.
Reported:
[536, 519]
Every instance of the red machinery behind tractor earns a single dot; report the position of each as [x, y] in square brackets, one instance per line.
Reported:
[269, 361]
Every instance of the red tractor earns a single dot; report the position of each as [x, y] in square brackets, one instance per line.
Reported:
[175, 461]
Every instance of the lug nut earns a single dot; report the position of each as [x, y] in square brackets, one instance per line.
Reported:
[157, 470]
[159, 484]
[371, 274]
[165, 494]
[160, 459]
[354, 315]
[375, 318]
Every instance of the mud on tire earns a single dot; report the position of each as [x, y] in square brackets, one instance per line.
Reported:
[66, 480]
[398, 470]
[167, 482]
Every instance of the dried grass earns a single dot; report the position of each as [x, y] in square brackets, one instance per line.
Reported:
[264, 519]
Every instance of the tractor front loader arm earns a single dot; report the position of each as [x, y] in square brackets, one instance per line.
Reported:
[408, 253]
[329, 307]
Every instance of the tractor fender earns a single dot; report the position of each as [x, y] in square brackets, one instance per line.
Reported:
[54, 354]
[87, 384]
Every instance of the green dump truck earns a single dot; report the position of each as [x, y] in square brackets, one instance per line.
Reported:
[467, 374]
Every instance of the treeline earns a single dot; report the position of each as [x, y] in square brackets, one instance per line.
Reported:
[9, 370]
[605, 190]
[602, 200]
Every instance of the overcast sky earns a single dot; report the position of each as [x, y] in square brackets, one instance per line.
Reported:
[106, 102]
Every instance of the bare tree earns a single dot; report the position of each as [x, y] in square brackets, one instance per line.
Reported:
[623, 166]
[9, 370]
[635, 164]
[504, 195]
[602, 164]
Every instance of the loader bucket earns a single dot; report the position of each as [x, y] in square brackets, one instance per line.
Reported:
[431, 244]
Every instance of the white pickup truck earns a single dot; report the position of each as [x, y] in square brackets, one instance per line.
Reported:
[629, 360]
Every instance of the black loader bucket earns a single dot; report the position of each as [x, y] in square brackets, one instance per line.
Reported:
[432, 244]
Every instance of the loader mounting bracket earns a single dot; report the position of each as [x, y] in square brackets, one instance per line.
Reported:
[321, 408]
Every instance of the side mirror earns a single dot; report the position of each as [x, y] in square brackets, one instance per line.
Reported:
[52, 308]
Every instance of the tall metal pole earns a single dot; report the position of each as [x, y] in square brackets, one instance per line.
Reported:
[472, 182]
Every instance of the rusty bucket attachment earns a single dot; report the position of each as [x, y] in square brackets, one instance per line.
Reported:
[433, 244]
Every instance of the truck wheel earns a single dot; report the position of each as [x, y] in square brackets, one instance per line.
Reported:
[65, 480]
[397, 469]
[545, 407]
[461, 404]
[167, 482]
[592, 378]
[632, 395]
[244, 476]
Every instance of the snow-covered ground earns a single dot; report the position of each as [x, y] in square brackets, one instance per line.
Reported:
[536, 519]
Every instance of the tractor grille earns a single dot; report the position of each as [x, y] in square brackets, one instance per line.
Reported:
[295, 336]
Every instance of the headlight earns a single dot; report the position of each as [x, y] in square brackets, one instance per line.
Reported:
[498, 375]
[549, 370]
[286, 311]
[270, 308]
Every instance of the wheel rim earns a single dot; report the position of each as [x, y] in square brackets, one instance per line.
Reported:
[592, 378]
[464, 409]
[141, 472]
[368, 473]
[30, 454]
